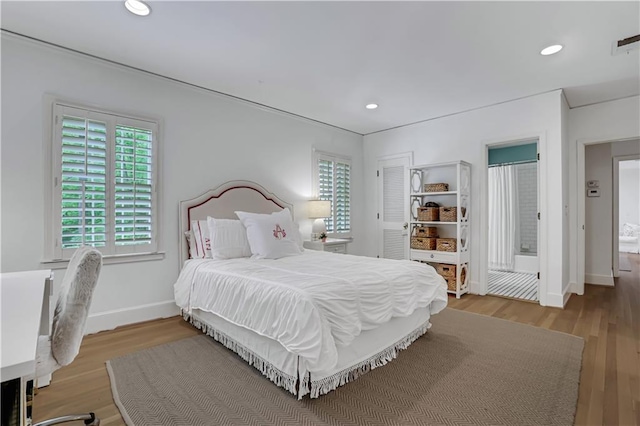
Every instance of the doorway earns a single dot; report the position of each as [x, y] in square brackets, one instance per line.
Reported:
[513, 213]
[626, 212]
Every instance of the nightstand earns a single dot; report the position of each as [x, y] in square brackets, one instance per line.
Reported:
[332, 245]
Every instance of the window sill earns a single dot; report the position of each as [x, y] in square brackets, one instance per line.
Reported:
[110, 259]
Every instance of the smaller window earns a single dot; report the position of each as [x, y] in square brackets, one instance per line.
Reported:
[332, 177]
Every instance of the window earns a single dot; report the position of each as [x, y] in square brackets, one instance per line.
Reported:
[105, 169]
[332, 175]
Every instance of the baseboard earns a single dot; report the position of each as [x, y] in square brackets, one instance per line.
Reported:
[567, 295]
[606, 280]
[474, 288]
[555, 300]
[111, 319]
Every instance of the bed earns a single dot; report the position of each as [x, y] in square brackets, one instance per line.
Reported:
[311, 322]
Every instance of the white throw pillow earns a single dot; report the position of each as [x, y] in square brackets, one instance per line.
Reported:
[228, 239]
[297, 236]
[271, 236]
[203, 243]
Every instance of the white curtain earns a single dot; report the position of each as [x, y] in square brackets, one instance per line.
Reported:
[503, 217]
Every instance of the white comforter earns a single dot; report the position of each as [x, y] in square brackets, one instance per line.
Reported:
[312, 302]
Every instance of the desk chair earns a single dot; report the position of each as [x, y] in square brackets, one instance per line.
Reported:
[69, 319]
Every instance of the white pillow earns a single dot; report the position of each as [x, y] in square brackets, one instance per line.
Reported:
[630, 230]
[271, 236]
[228, 239]
[201, 235]
[297, 236]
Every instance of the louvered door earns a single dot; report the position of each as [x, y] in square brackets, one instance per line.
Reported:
[393, 205]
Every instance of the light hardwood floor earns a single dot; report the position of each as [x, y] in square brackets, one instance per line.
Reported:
[607, 318]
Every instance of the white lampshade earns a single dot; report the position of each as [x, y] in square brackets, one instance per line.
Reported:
[319, 209]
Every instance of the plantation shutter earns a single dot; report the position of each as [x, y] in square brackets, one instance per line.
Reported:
[83, 182]
[133, 175]
[334, 184]
[104, 181]
[342, 211]
[325, 187]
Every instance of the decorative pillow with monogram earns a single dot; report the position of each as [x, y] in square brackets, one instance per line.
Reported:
[271, 236]
[202, 241]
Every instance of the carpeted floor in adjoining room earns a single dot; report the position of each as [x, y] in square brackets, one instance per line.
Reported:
[468, 369]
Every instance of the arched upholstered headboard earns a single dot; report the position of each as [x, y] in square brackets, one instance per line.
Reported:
[222, 202]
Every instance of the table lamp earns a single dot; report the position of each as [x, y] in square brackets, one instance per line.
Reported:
[318, 210]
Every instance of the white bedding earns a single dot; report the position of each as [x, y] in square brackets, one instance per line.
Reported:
[310, 303]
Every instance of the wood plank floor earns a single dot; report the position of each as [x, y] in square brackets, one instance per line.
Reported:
[607, 318]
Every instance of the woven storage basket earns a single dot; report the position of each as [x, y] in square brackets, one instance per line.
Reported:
[426, 231]
[448, 214]
[428, 214]
[446, 270]
[436, 187]
[446, 244]
[421, 243]
[451, 283]
[451, 280]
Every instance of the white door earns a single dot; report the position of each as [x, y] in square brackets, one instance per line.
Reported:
[393, 206]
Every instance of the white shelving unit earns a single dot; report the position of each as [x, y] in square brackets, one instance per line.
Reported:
[458, 175]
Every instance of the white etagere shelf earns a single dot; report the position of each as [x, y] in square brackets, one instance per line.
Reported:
[458, 176]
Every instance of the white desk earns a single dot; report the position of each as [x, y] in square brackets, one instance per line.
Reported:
[24, 317]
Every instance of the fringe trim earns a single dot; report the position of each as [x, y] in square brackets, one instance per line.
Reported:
[274, 374]
[326, 385]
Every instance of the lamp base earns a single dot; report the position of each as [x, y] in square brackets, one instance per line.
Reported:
[318, 228]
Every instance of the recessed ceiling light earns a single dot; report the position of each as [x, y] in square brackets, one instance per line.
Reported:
[551, 50]
[371, 106]
[137, 7]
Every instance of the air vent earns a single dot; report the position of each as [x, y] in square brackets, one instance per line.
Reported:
[626, 45]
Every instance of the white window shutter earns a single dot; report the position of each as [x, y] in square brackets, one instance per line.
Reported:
[83, 182]
[133, 175]
[334, 184]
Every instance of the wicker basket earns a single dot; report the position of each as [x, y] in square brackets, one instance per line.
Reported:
[451, 283]
[448, 214]
[428, 214]
[446, 270]
[436, 187]
[426, 231]
[423, 243]
[446, 244]
[451, 279]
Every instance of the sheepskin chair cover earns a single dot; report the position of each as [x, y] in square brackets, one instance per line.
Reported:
[74, 301]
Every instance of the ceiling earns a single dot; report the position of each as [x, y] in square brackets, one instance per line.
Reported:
[326, 60]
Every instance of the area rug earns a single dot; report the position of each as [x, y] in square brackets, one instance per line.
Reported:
[468, 369]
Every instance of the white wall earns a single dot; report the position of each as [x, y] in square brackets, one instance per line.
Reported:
[629, 187]
[599, 216]
[604, 122]
[462, 137]
[208, 139]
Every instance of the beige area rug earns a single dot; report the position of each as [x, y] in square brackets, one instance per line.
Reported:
[468, 369]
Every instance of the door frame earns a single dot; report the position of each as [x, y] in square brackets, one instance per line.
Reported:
[542, 209]
[581, 146]
[616, 209]
[407, 155]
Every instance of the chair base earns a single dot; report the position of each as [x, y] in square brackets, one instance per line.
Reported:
[89, 419]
